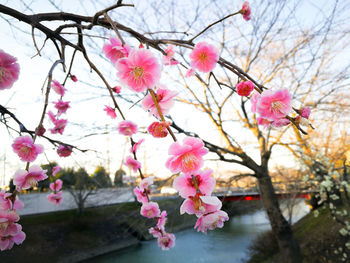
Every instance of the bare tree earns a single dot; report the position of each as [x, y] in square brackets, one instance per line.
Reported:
[275, 50]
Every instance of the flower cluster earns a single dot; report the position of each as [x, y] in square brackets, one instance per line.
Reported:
[56, 196]
[195, 185]
[151, 210]
[10, 231]
[60, 124]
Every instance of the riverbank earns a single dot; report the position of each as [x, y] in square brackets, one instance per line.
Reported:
[318, 238]
[66, 236]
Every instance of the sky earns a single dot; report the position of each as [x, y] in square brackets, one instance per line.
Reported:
[88, 97]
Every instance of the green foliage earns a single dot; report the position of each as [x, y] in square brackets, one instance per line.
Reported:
[101, 178]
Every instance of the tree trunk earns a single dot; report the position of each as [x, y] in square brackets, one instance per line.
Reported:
[289, 248]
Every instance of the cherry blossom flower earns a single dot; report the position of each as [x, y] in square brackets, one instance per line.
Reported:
[186, 158]
[110, 112]
[190, 73]
[305, 112]
[140, 195]
[115, 50]
[40, 131]
[64, 150]
[159, 129]
[55, 198]
[7, 204]
[200, 205]
[166, 241]
[132, 163]
[204, 57]
[7, 223]
[73, 78]
[146, 182]
[26, 149]
[211, 221]
[245, 88]
[136, 146]
[58, 88]
[61, 106]
[155, 232]
[165, 99]
[56, 186]
[55, 170]
[127, 128]
[254, 100]
[139, 71]
[245, 11]
[60, 125]
[264, 122]
[276, 123]
[168, 59]
[117, 89]
[186, 187]
[274, 105]
[161, 220]
[150, 210]
[7, 242]
[26, 179]
[9, 70]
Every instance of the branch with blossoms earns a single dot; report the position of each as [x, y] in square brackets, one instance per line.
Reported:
[140, 71]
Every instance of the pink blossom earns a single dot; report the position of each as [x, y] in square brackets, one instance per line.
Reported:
[280, 122]
[58, 88]
[110, 112]
[132, 163]
[155, 232]
[254, 100]
[139, 71]
[55, 198]
[26, 179]
[200, 205]
[159, 129]
[117, 89]
[150, 210]
[115, 50]
[186, 187]
[9, 70]
[40, 131]
[60, 125]
[64, 150]
[204, 57]
[55, 170]
[7, 204]
[305, 112]
[190, 73]
[211, 221]
[264, 122]
[73, 78]
[56, 186]
[161, 220]
[245, 11]
[7, 242]
[274, 105]
[26, 149]
[146, 182]
[165, 99]
[166, 241]
[168, 59]
[245, 88]
[127, 128]
[141, 195]
[7, 223]
[136, 146]
[186, 158]
[61, 106]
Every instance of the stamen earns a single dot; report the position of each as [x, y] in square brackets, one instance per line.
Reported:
[138, 72]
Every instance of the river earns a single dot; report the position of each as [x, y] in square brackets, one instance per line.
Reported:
[228, 244]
